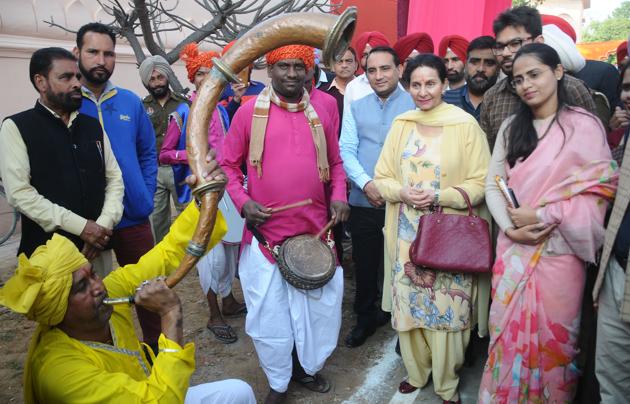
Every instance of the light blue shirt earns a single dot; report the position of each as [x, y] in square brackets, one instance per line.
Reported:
[364, 129]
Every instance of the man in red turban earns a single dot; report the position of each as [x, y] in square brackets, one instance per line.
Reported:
[366, 41]
[360, 87]
[413, 44]
[453, 50]
[560, 23]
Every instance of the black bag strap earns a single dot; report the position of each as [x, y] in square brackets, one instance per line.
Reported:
[467, 199]
[261, 239]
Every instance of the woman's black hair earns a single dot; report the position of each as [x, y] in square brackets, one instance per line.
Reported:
[521, 137]
[426, 60]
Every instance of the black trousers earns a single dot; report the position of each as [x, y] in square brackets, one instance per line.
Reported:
[366, 225]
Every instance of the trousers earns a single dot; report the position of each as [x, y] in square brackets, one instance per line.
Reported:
[612, 352]
[280, 316]
[366, 225]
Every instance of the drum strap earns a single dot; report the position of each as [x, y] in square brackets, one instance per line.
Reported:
[261, 239]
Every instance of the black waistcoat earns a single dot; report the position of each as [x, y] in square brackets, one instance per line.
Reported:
[67, 168]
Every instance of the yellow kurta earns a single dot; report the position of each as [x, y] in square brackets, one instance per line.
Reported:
[443, 302]
[65, 370]
[464, 159]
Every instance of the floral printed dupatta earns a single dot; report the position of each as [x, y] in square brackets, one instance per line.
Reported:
[537, 290]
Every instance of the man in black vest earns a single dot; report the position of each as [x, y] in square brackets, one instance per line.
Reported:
[57, 165]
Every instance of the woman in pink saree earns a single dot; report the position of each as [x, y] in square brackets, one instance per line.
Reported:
[556, 160]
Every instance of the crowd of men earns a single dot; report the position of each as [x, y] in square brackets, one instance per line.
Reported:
[83, 164]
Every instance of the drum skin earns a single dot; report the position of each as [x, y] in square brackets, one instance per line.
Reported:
[306, 262]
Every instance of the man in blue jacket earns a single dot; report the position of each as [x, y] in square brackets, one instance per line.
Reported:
[131, 134]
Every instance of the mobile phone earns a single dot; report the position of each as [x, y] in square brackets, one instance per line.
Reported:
[513, 197]
[508, 193]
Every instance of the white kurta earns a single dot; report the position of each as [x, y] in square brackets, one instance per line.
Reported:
[279, 316]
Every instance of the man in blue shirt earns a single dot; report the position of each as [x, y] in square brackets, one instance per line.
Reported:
[131, 134]
[364, 129]
[481, 72]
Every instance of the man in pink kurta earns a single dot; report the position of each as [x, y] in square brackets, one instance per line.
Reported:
[294, 331]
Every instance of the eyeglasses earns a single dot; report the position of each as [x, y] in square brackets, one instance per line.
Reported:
[514, 45]
[530, 76]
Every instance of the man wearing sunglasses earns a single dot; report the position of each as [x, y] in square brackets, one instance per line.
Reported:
[513, 29]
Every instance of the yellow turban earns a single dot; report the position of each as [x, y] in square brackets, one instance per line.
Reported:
[41, 284]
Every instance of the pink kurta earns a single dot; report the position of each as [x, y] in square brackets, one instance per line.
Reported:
[289, 171]
[171, 155]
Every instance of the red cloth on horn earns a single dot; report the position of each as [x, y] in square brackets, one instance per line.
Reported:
[306, 53]
[420, 41]
[458, 44]
[560, 23]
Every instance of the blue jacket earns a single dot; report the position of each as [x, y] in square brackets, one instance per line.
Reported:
[131, 134]
[365, 126]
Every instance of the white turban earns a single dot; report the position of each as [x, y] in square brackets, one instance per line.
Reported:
[151, 63]
[570, 56]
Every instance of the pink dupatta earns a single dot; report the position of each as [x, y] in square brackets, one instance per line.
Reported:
[537, 290]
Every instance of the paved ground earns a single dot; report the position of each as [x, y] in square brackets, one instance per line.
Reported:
[368, 374]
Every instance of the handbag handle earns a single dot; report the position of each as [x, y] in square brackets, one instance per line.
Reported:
[467, 199]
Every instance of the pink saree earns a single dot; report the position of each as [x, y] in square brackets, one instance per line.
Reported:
[537, 290]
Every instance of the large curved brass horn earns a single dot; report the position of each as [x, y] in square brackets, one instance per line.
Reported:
[329, 32]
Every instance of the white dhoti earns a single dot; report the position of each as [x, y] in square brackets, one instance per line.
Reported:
[218, 268]
[279, 316]
[231, 391]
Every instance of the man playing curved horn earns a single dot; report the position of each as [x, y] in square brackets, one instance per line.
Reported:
[84, 350]
[290, 156]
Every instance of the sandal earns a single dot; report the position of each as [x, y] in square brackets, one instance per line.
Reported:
[315, 383]
[405, 387]
[223, 333]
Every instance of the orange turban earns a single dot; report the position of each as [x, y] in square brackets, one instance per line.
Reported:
[622, 52]
[306, 53]
[195, 60]
[372, 38]
[420, 41]
[560, 23]
[458, 44]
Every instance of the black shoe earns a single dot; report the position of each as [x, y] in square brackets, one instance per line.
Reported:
[382, 318]
[358, 335]
[397, 349]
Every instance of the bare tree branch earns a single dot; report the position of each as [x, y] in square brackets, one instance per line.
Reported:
[230, 18]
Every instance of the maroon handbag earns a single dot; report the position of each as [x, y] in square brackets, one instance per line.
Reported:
[452, 243]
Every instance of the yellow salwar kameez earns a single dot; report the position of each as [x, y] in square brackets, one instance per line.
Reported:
[430, 150]
[61, 369]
